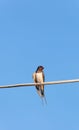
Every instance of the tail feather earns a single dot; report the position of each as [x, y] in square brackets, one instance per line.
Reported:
[41, 93]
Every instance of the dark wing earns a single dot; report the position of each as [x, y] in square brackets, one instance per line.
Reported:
[43, 76]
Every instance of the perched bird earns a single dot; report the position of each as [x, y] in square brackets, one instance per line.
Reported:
[38, 77]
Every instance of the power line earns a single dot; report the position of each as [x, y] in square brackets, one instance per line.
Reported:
[45, 83]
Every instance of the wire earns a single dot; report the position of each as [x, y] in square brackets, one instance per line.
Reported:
[45, 83]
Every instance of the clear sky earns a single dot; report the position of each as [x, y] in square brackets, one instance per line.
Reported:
[32, 33]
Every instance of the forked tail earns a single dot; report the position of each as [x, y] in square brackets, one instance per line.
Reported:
[43, 98]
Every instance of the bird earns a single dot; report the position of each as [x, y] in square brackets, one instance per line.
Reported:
[39, 77]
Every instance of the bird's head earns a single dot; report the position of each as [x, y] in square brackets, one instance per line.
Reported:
[40, 68]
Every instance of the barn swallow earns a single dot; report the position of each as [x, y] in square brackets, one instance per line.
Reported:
[38, 77]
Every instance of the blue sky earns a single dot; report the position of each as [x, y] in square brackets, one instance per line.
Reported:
[33, 33]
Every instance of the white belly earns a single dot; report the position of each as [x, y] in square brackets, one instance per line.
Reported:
[39, 77]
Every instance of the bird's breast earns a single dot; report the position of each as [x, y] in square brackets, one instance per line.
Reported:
[39, 77]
